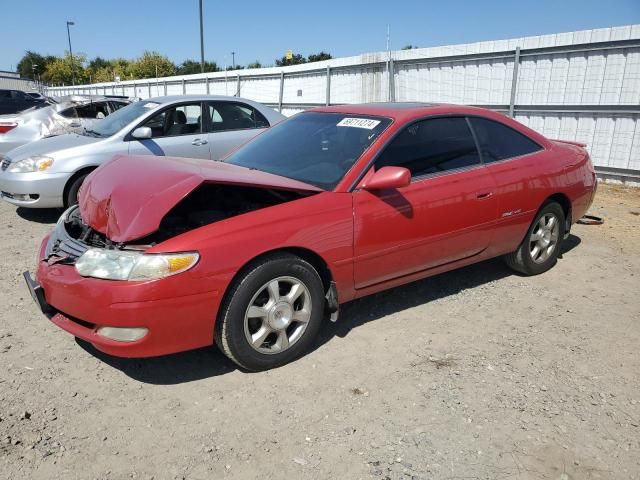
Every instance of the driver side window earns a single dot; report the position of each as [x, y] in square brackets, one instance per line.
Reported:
[176, 121]
[432, 146]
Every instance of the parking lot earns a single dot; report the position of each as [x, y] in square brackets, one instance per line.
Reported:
[477, 373]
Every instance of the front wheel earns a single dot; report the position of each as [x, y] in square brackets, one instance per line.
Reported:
[71, 196]
[272, 313]
[540, 248]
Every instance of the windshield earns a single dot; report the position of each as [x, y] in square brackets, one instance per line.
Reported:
[121, 118]
[313, 147]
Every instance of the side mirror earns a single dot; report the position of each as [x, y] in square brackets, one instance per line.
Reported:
[388, 177]
[142, 133]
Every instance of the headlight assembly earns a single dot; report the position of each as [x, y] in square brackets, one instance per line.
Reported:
[37, 163]
[134, 266]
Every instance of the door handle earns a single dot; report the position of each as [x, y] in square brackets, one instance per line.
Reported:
[482, 196]
[197, 142]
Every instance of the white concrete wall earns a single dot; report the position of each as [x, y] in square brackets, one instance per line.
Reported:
[592, 85]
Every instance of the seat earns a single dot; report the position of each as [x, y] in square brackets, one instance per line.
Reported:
[178, 123]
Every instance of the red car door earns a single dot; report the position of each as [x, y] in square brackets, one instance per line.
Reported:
[446, 213]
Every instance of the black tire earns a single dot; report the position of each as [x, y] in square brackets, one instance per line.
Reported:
[230, 325]
[522, 260]
[71, 196]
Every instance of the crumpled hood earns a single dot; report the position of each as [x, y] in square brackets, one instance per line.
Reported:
[127, 197]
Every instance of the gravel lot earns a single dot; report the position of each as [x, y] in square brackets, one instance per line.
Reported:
[474, 374]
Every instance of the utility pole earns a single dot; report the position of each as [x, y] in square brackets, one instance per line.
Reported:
[73, 68]
[201, 41]
[233, 59]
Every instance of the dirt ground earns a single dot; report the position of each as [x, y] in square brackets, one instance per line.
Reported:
[474, 374]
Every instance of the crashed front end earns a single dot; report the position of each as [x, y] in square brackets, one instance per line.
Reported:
[127, 318]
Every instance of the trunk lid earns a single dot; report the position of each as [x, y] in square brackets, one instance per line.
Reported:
[127, 198]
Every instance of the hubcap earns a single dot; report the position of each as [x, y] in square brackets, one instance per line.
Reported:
[277, 315]
[544, 238]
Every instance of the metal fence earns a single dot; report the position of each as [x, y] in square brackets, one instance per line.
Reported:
[16, 83]
[582, 86]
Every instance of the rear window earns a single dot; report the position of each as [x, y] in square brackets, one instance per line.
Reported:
[499, 142]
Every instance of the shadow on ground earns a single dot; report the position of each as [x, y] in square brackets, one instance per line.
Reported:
[40, 215]
[210, 362]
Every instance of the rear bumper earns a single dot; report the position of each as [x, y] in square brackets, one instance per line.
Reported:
[175, 322]
[46, 189]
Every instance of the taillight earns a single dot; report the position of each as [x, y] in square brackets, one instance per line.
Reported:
[6, 126]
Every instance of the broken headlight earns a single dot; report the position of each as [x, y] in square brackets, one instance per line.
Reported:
[134, 266]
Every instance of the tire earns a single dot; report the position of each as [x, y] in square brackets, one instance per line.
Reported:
[71, 197]
[254, 320]
[528, 259]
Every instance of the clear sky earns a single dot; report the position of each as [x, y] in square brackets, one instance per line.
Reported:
[264, 30]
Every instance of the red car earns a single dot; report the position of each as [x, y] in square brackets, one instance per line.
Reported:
[167, 254]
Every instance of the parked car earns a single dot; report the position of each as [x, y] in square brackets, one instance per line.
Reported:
[14, 101]
[331, 205]
[36, 95]
[49, 172]
[70, 115]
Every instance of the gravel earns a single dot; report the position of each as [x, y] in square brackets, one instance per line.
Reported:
[478, 374]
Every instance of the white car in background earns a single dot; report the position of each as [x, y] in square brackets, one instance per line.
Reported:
[48, 173]
[71, 114]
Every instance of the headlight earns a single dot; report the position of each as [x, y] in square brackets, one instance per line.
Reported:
[127, 265]
[37, 163]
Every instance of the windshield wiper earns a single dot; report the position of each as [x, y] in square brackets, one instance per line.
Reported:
[92, 132]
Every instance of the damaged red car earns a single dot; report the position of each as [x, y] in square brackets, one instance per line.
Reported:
[164, 255]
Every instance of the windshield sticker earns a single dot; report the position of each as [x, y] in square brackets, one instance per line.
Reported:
[359, 123]
[151, 105]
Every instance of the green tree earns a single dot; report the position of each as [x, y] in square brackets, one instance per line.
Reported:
[318, 57]
[189, 67]
[296, 59]
[97, 63]
[32, 64]
[409, 47]
[255, 64]
[61, 71]
[145, 66]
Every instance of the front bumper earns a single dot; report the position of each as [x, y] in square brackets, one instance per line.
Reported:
[45, 188]
[179, 315]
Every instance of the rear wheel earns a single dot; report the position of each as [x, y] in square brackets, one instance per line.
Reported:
[540, 248]
[272, 313]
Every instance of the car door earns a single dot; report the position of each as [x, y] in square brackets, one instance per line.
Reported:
[445, 214]
[231, 124]
[177, 131]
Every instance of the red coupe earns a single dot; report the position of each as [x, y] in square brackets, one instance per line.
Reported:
[170, 254]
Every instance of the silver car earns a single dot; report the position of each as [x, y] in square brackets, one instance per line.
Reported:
[49, 172]
[71, 114]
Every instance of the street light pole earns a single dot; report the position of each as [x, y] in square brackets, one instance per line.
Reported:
[201, 41]
[73, 68]
[233, 59]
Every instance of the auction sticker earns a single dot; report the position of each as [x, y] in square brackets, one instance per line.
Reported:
[359, 123]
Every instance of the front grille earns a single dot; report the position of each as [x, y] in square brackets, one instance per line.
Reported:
[5, 163]
[62, 245]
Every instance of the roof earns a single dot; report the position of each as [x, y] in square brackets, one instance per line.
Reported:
[403, 110]
[180, 98]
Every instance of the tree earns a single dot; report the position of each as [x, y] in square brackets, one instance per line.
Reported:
[189, 67]
[98, 63]
[296, 59]
[60, 70]
[318, 57]
[145, 66]
[410, 47]
[32, 64]
[255, 64]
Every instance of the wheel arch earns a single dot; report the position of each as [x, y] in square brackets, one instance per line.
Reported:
[564, 201]
[306, 254]
[77, 174]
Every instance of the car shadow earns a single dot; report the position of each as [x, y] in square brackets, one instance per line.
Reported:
[40, 215]
[210, 362]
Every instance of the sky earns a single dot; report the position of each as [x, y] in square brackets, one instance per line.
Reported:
[264, 30]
